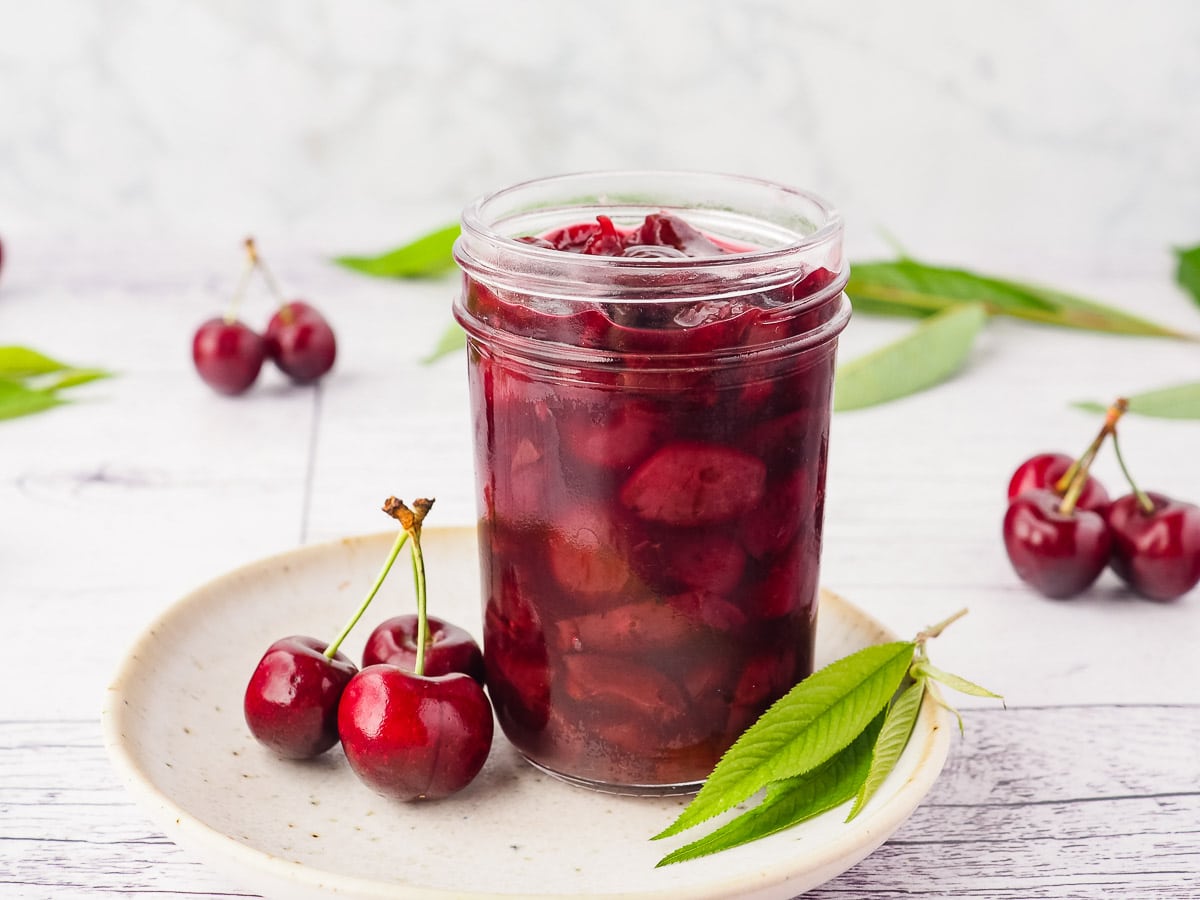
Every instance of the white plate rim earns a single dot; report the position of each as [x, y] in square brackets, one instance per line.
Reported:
[261, 868]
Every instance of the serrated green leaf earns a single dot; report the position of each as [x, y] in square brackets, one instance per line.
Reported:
[1180, 401]
[18, 400]
[949, 679]
[23, 362]
[792, 800]
[452, 340]
[907, 287]
[893, 738]
[807, 726]
[430, 254]
[927, 356]
[1188, 271]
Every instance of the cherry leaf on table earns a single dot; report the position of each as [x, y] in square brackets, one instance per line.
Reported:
[18, 400]
[898, 724]
[452, 340]
[931, 353]
[430, 254]
[1188, 271]
[815, 720]
[23, 362]
[907, 287]
[1180, 401]
[792, 800]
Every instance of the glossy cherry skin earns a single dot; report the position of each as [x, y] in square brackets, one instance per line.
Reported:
[450, 648]
[291, 702]
[412, 737]
[1058, 555]
[1158, 553]
[300, 342]
[1044, 471]
[228, 355]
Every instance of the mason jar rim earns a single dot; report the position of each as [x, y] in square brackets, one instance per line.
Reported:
[478, 226]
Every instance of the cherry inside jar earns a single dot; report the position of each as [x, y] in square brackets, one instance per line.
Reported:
[651, 384]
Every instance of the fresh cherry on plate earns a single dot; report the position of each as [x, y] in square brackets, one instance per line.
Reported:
[449, 648]
[1047, 470]
[227, 354]
[300, 342]
[408, 735]
[291, 702]
[415, 737]
[1156, 546]
[1060, 552]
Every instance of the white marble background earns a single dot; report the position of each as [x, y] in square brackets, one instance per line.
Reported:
[1043, 137]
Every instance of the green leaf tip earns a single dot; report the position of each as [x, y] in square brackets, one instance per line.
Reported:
[1187, 270]
[927, 356]
[791, 800]
[428, 255]
[1178, 401]
[893, 738]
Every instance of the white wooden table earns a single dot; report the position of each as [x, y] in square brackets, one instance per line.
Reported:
[1087, 785]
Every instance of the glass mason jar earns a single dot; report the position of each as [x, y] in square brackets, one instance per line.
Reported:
[651, 433]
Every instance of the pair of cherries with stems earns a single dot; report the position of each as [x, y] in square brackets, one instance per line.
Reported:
[414, 723]
[1061, 529]
[228, 354]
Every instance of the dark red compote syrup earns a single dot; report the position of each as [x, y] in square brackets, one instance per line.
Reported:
[650, 505]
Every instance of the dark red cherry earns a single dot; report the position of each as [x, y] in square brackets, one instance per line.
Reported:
[300, 342]
[291, 702]
[1058, 554]
[1044, 471]
[1157, 553]
[227, 355]
[666, 230]
[412, 737]
[450, 648]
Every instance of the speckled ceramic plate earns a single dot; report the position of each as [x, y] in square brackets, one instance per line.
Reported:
[173, 726]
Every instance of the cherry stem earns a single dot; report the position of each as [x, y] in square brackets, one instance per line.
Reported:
[239, 293]
[932, 631]
[410, 520]
[1085, 459]
[256, 261]
[401, 539]
[418, 561]
[1143, 498]
[1074, 480]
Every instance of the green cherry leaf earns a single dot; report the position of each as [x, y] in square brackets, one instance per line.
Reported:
[815, 720]
[18, 400]
[1188, 272]
[925, 669]
[431, 254]
[907, 287]
[452, 340]
[23, 362]
[927, 356]
[792, 800]
[1180, 401]
[893, 738]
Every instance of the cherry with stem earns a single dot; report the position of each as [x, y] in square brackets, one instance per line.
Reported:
[1155, 540]
[408, 735]
[227, 353]
[298, 339]
[292, 698]
[1054, 545]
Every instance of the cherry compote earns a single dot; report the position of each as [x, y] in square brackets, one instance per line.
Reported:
[651, 402]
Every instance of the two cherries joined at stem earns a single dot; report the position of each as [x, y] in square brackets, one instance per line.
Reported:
[1061, 528]
[228, 354]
